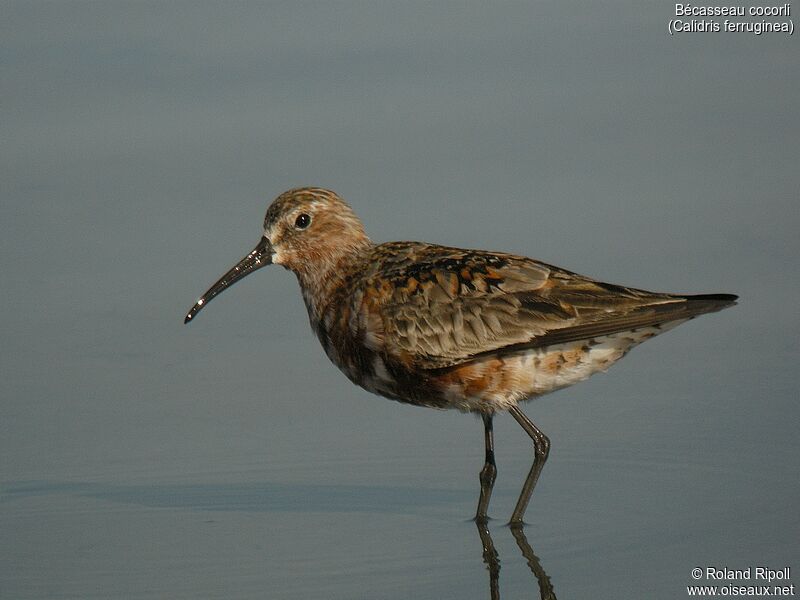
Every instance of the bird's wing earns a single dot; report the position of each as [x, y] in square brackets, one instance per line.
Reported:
[440, 307]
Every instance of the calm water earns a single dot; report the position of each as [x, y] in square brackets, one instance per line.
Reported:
[140, 458]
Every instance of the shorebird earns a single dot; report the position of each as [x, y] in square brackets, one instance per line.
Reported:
[447, 327]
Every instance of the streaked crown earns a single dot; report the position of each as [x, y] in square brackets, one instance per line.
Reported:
[310, 229]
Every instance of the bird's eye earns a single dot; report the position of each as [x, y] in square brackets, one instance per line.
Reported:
[302, 221]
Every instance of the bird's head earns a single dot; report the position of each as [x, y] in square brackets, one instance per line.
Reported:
[306, 230]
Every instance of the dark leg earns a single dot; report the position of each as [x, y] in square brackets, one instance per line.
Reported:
[541, 448]
[489, 471]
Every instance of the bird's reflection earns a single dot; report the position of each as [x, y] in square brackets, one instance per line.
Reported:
[492, 560]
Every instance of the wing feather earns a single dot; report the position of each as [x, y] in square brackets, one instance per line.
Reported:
[450, 306]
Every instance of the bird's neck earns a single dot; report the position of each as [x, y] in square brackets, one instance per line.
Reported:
[328, 275]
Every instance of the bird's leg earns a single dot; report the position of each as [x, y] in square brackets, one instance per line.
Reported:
[541, 448]
[489, 471]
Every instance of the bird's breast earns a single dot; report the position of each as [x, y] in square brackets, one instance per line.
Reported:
[350, 336]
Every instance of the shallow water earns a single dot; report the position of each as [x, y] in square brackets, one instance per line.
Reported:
[351, 513]
[141, 458]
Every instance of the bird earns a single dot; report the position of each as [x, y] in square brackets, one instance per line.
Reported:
[451, 328]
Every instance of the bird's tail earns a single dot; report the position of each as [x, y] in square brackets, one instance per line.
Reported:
[707, 303]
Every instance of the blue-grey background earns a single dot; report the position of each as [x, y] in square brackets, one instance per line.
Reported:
[141, 143]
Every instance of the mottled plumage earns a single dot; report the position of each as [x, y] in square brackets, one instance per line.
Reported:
[452, 328]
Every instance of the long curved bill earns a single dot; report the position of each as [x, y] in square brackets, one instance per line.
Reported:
[260, 256]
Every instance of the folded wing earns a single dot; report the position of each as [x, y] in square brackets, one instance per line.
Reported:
[443, 307]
